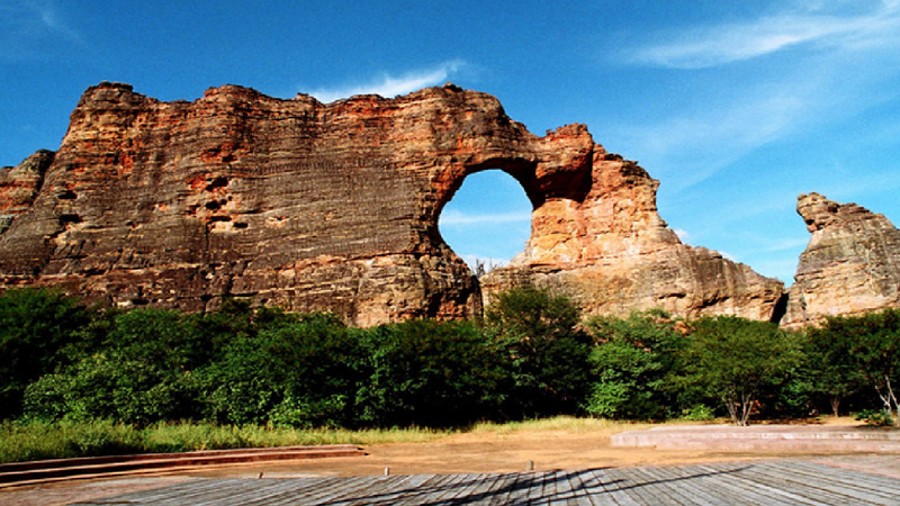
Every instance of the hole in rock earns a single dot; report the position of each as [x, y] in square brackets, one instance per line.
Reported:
[487, 221]
[69, 218]
[219, 182]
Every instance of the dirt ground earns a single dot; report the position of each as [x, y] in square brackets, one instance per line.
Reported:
[580, 446]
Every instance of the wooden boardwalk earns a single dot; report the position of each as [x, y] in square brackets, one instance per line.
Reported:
[777, 482]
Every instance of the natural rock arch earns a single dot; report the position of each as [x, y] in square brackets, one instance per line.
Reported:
[491, 204]
[335, 207]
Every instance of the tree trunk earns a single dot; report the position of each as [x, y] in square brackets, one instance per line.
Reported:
[746, 408]
[892, 398]
[733, 406]
[835, 404]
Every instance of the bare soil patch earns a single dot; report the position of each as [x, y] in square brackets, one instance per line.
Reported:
[554, 444]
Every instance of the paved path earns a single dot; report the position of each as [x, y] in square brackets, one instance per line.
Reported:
[784, 438]
[833, 480]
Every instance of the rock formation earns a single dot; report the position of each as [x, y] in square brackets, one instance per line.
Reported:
[19, 186]
[851, 264]
[335, 207]
[610, 251]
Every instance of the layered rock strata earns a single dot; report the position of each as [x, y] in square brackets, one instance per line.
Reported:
[314, 206]
[608, 248]
[19, 186]
[850, 266]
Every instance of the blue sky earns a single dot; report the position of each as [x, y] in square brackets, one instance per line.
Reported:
[736, 107]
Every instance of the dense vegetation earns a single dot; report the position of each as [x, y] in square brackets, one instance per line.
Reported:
[532, 356]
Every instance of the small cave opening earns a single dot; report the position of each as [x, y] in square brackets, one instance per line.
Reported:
[487, 220]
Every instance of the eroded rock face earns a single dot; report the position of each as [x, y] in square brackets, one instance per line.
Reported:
[19, 186]
[851, 264]
[335, 207]
[609, 249]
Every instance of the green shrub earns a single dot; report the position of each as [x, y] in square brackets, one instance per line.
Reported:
[35, 440]
[876, 417]
[631, 364]
[304, 373]
[430, 374]
[698, 413]
[142, 375]
[36, 326]
[734, 361]
[870, 346]
[545, 352]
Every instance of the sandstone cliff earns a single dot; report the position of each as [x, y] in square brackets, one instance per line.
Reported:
[314, 206]
[609, 249]
[19, 186]
[851, 264]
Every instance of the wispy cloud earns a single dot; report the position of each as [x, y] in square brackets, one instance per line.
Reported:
[25, 25]
[688, 148]
[457, 218]
[785, 244]
[390, 86]
[863, 184]
[847, 66]
[709, 46]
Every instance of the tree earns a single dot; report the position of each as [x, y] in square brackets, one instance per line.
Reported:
[831, 369]
[140, 373]
[424, 372]
[873, 342]
[734, 359]
[546, 353]
[631, 363]
[36, 326]
[301, 371]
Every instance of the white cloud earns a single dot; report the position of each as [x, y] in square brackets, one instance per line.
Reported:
[786, 244]
[27, 24]
[862, 184]
[391, 86]
[852, 68]
[682, 234]
[686, 149]
[453, 217]
[725, 43]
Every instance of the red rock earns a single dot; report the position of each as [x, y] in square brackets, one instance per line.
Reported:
[334, 207]
[610, 251]
[850, 266]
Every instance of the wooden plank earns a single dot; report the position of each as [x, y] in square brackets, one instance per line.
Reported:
[770, 483]
[701, 488]
[835, 489]
[390, 490]
[501, 489]
[639, 487]
[612, 489]
[565, 488]
[473, 487]
[674, 488]
[316, 490]
[586, 485]
[890, 486]
[520, 488]
[748, 490]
